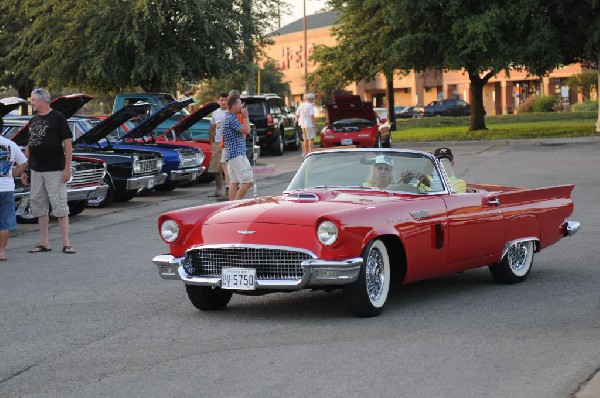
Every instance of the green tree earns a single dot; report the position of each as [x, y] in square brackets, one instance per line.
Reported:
[364, 34]
[583, 82]
[16, 55]
[489, 36]
[271, 82]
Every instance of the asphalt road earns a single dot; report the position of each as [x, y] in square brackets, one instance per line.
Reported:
[102, 323]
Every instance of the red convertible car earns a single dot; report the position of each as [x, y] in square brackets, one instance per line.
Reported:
[361, 220]
[351, 121]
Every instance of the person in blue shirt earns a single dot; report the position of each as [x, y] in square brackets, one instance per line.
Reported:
[241, 177]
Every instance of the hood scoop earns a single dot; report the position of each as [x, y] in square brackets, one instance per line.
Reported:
[302, 197]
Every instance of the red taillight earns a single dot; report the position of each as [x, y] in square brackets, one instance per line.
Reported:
[269, 119]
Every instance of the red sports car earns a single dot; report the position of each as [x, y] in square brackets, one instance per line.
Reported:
[359, 219]
[351, 121]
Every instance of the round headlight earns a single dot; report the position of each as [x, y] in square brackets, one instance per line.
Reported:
[327, 233]
[169, 230]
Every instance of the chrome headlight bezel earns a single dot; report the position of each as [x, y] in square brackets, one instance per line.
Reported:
[169, 231]
[137, 169]
[327, 232]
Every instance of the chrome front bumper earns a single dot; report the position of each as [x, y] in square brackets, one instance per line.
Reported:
[83, 193]
[186, 174]
[316, 273]
[145, 181]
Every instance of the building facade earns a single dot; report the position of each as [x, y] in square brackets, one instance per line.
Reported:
[502, 94]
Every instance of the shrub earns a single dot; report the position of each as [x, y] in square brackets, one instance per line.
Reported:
[544, 103]
[588, 106]
[527, 105]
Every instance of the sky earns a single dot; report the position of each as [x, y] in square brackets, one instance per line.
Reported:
[312, 7]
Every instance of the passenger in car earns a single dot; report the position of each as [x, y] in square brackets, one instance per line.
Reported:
[447, 158]
[381, 172]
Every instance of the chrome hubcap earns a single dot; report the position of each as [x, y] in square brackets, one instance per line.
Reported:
[374, 274]
[517, 256]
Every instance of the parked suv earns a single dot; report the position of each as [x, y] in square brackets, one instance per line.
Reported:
[447, 107]
[276, 125]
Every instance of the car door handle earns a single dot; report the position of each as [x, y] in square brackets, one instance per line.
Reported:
[495, 202]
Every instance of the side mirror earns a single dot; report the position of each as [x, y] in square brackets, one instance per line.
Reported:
[292, 109]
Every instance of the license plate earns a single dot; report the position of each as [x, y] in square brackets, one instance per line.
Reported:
[346, 141]
[150, 183]
[238, 278]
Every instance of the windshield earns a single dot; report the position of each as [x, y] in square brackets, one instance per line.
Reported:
[405, 171]
[163, 101]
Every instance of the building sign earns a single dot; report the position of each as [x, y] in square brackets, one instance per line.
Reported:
[294, 57]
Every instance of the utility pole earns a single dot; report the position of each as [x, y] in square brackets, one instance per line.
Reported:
[305, 51]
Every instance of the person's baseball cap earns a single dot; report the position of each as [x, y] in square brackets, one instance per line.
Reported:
[43, 93]
[384, 159]
[310, 96]
[443, 153]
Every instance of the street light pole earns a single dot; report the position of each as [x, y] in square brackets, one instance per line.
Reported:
[305, 51]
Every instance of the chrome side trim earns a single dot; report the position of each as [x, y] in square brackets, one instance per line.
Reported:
[571, 228]
[536, 243]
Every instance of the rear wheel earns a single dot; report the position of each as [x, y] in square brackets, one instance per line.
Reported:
[515, 265]
[277, 147]
[367, 296]
[378, 141]
[294, 145]
[208, 298]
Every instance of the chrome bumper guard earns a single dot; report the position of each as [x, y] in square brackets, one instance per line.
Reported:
[145, 181]
[186, 174]
[316, 273]
[84, 193]
[571, 228]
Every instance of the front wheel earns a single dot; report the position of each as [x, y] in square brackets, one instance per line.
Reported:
[207, 298]
[515, 265]
[76, 207]
[367, 296]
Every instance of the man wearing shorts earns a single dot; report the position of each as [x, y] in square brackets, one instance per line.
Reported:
[10, 154]
[241, 176]
[306, 120]
[49, 152]
[216, 135]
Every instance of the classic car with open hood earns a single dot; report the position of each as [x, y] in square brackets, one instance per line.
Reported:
[360, 220]
[351, 121]
[182, 163]
[87, 172]
[182, 134]
[129, 170]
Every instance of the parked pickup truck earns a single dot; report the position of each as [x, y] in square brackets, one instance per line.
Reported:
[87, 173]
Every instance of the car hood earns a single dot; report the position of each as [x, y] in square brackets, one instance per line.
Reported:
[7, 105]
[153, 121]
[191, 119]
[102, 129]
[299, 207]
[349, 106]
[68, 105]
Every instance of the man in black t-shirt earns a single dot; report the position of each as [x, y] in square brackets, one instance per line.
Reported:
[49, 152]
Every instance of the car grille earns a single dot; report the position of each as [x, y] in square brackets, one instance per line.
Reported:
[270, 264]
[87, 173]
[148, 166]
